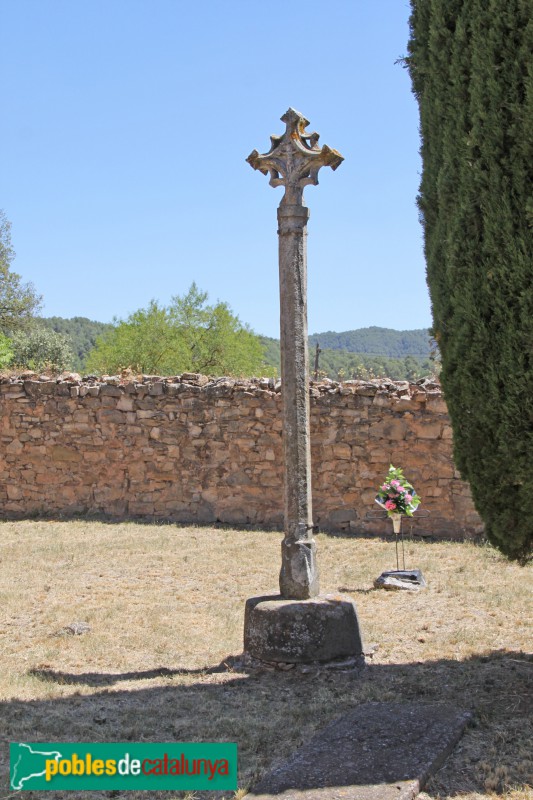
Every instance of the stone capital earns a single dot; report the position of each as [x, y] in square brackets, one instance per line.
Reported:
[292, 219]
[294, 159]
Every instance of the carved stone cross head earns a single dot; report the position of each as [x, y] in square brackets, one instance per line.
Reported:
[294, 158]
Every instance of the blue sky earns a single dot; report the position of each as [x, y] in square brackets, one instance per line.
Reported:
[126, 128]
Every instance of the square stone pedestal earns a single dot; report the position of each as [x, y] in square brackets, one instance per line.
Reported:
[300, 631]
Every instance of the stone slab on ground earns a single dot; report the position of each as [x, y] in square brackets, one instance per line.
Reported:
[378, 751]
[407, 579]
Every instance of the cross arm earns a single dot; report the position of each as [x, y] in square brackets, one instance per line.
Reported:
[295, 158]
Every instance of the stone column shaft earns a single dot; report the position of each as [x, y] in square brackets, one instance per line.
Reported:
[299, 572]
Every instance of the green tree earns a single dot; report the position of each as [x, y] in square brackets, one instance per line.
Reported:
[188, 335]
[472, 73]
[18, 301]
[145, 342]
[6, 351]
[215, 340]
[412, 368]
[39, 348]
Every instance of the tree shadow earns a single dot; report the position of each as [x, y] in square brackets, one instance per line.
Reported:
[270, 713]
[110, 678]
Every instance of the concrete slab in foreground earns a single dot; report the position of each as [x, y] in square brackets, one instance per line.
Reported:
[378, 751]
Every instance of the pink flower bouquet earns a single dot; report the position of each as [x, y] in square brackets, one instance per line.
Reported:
[396, 495]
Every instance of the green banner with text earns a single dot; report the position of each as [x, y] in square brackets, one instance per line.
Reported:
[123, 765]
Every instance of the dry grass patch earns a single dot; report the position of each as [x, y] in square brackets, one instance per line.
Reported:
[165, 605]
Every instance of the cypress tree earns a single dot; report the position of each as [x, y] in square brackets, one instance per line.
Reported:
[471, 68]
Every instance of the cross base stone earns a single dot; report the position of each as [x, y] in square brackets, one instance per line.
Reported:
[301, 631]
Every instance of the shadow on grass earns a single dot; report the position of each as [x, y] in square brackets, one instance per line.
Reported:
[374, 530]
[110, 678]
[270, 713]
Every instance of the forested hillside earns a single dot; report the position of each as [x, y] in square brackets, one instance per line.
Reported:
[376, 341]
[82, 333]
[339, 364]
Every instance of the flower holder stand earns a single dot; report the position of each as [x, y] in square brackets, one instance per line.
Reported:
[409, 579]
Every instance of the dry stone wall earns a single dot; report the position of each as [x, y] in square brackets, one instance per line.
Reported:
[191, 449]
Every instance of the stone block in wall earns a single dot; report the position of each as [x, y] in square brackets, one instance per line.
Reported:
[436, 405]
[140, 509]
[110, 417]
[342, 452]
[14, 492]
[340, 516]
[425, 429]
[14, 448]
[47, 478]
[240, 478]
[159, 475]
[80, 428]
[394, 429]
[125, 403]
[110, 391]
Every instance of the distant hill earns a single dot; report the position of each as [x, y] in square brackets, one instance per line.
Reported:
[372, 341]
[364, 353]
[376, 341]
[82, 333]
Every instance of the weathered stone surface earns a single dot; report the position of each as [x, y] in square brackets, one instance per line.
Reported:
[409, 580]
[111, 391]
[195, 378]
[378, 751]
[68, 454]
[111, 417]
[74, 629]
[299, 577]
[299, 631]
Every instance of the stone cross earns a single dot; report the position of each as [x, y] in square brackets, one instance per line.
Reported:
[293, 161]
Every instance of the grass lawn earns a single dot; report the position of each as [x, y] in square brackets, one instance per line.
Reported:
[165, 604]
